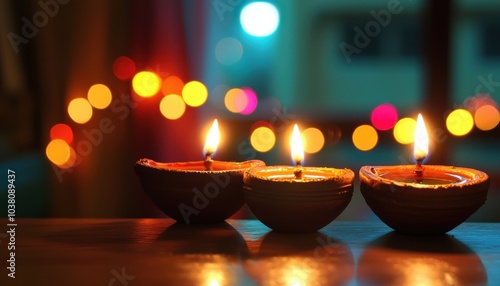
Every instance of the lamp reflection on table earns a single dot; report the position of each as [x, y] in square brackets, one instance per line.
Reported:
[206, 254]
[301, 259]
[219, 238]
[398, 259]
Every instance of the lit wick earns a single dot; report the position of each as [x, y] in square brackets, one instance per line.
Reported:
[208, 162]
[419, 171]
[297, 172]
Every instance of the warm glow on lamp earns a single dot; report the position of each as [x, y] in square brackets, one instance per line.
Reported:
[297, 146]
[421, 141]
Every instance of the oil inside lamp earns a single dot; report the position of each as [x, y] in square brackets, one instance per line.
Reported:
[211, 144]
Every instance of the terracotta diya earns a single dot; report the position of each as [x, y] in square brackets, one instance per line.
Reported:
[199, 191]
[297, 199]
[418, 199]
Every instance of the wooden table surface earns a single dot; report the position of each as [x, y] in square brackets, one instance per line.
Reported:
[245, 252]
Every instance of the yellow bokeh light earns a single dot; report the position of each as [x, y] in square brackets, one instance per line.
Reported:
[172, 106]
[194, 93]
[486, 117]
[313, 139]
[80, 110]
[99, 96]
[459, 122]
[146, 83]
[262, 139]
[235, 100]
[404, 130]
[365, 137]
[58, 152]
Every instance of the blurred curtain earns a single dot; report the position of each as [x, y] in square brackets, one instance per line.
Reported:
[74, 49]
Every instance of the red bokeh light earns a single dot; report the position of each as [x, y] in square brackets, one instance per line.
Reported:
[384, 116]
[124, 68]
[172, 85]
[61, 131]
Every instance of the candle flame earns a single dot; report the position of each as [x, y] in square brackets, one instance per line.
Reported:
[297, 146]
[421, 140]
[212, 140]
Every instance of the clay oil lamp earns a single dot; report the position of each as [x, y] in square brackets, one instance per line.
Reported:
[297, 199]
[205, 191]
[423, 199]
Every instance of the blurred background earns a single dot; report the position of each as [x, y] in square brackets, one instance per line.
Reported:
[89, 87]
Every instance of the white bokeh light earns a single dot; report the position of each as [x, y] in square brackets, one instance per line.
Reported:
[259, 19]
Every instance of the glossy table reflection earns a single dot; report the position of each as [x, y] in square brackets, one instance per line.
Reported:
[245, 252]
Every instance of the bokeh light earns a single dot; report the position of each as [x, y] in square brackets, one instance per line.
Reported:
[172, 106]
[404, 130]
[58, 152]
[235, 100]
[228, 51]
[263, 139]
[99, 96]
[259, 19]
[365, 137]
[146, 83]
[459, 122]
[486, 117]
[172, 85]
[194, 93]
[384, 116]
[475, 102]
[252, 101]
[71, 161]
[261, 123]
[80, 110]
[61, 131]
[124, 68]
[313, 139]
